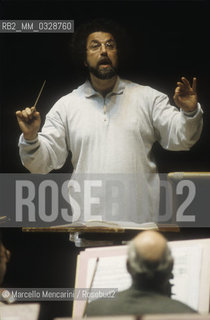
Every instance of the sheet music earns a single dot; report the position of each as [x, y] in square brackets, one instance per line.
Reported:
[187, 270]
[110, 272]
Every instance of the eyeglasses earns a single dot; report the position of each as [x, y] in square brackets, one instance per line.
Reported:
[96, 46]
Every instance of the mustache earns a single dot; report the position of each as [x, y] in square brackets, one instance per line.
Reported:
[104, 61]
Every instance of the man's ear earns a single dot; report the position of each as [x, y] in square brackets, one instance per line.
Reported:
[85, 63]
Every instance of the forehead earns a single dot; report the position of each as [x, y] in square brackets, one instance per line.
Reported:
[99, 36]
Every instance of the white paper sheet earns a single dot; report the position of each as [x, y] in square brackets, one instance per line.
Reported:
[26, 311]
[110, 272]
[187, 272]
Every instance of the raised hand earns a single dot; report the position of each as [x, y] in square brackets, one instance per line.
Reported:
[29, 121]
[185, 96]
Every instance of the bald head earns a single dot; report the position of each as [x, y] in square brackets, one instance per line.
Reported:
[150, 262]
[150, 245]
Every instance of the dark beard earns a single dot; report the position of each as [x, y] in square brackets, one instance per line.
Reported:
[104, 73]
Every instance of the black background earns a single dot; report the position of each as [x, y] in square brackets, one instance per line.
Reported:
[171, 39]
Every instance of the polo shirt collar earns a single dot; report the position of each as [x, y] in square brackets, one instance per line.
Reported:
[90, 91]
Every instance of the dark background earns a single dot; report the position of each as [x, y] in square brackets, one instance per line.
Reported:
[171, 39]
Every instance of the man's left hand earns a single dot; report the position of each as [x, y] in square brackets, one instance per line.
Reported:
[185, 96]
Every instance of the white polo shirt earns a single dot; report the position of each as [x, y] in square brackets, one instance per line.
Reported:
[113, 135]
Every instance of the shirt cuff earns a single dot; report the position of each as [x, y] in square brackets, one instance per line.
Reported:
[28, 142]
[192, 113]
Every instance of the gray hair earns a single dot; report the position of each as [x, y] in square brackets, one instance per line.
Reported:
[139, 265]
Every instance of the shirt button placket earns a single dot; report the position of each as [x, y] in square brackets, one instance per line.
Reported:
[105, 114]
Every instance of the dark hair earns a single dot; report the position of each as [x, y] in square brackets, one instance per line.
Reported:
[79, 39]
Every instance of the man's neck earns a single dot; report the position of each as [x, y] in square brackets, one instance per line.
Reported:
[144, 285]
[103, 86]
